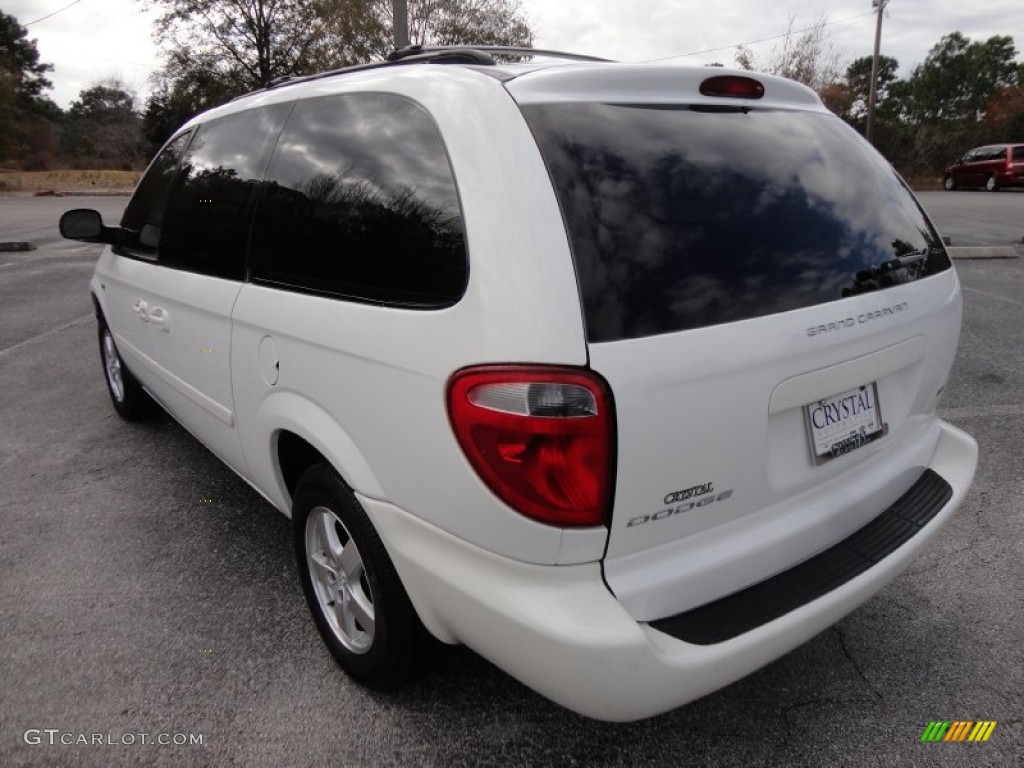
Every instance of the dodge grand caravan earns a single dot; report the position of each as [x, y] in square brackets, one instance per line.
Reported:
[624, 376]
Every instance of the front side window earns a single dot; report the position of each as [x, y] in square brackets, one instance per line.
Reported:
[143, 218]
[682, 217]
[206, 226]
[360, 203]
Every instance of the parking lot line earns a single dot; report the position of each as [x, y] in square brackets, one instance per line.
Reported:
[52, 332]
[993, 295]
[982, 410]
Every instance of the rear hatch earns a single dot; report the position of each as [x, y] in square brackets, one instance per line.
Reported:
[774, 314]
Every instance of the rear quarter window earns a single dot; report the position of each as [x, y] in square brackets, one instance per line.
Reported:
[360, 203]
[683, 217]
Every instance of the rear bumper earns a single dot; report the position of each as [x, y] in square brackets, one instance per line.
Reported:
[559, 630]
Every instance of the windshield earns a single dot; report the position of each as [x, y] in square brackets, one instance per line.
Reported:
[681, 217]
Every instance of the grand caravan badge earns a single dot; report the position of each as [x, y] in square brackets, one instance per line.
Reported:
[684, 500]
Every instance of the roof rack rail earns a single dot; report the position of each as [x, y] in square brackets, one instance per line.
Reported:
[511, 50]
[418, 54]
[449, 54]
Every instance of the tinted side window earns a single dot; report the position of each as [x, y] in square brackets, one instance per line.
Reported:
[999, 154]
[142, 219]
[206, 226]
[1018, 153]
[360, 203]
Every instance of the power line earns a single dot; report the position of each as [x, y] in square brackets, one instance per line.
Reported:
[763, 39]
[49, 15]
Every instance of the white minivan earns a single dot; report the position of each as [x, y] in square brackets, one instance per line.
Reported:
[624, 376]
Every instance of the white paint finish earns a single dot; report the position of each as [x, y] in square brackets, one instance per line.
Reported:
[367, 386]
[693, 408]
[183, 388]
[800, 390]
[293, 412]
[185, 363]
[727, 556]
[558, 630]
[269, 361]
[651, 84]
[582, 545]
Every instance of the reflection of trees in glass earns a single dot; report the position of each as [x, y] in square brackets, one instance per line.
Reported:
[205, 228]
[681, 219]
[672, 242]
[346, 189]
[399, 215]
[341, 232]
[219, 184]
[908, 264]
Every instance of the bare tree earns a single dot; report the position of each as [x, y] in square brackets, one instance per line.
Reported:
[360, 30]
[804, 55]
[248, 41]
[217, 49]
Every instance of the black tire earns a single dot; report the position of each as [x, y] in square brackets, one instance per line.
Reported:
[391, 649]
[949, 183]
[126, 394]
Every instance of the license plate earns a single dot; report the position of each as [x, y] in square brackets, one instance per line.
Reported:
[842, 423]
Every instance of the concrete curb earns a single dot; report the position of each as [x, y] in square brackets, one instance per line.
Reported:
[984, 252]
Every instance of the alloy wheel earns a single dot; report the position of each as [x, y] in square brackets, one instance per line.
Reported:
[112, 366]
[339, 580]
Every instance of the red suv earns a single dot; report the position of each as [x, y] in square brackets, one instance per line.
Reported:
[992, 166]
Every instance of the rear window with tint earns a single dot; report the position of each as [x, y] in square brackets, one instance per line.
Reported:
[1018, 153]
[683, 217]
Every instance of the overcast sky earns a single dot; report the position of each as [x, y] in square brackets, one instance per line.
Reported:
[95, 39]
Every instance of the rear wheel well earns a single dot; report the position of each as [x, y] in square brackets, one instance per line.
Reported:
[295, 455]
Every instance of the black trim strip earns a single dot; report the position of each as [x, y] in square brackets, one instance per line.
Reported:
[768, 600]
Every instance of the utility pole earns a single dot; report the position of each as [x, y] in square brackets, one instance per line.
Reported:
[873, 93]
[401, 23]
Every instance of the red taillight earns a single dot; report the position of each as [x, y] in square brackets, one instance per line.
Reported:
[540, 437]
[732, 86]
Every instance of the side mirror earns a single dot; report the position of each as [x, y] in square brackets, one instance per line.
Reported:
[86, 225]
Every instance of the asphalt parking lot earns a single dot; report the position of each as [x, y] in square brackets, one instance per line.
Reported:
[144, 589]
